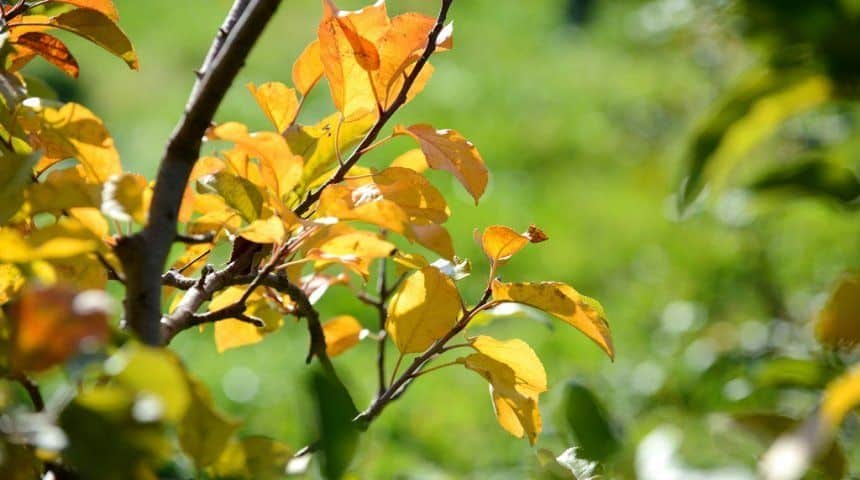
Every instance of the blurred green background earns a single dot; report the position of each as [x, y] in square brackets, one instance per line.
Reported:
[582, 117]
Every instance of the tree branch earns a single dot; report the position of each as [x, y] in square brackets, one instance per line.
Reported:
[144, 254]
[384, 115]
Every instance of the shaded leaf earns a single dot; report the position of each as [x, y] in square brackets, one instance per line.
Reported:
[50, 48]
[126, 197]
[838, 324]
[589, 423]
[338, 434]
[204, 431]
[240, 194]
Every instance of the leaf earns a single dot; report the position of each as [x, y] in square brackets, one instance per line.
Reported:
[448, 150]
[563, 302]
[516, 378]
[16, 174]
[436, 238]
[279, 103]
[838, 324]
[341, 333]
[49, 325]
[338, 435]
[62, 190]
[104, 6]
[96, 27]
[240, 194]
[400, 46]
[270, 230]
[155, 372]
[316, 143]
[816, 177]
[126, 197]
[308, 69]
[348, 53]
[840, 397]
[424, 309]
[265, 459]
[413, 159]
[356, 249]
[588, 421]
[500, 243]
[67, 238]
[204, 431]
[392, 199]
[72, 131]
[747, 115]
[50, 48]
[281, 170]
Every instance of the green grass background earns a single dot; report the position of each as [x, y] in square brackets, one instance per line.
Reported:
[583, 130]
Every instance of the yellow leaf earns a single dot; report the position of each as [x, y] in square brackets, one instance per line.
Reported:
[355, 250]
[270, 230]
[65, 239]
[279, 103]
[63, 189]
[104, 6]
[838, 323]
[436, 238]
[50, 324]
[72, 132]
[516, 377]
[84, 272]
[316, 143]
[561, 301]
[424, 309]
[500, 243]
[448, 150]
[308, 69]
[11, 282]
[126, 197]
[841, 396]
[281, 170]
[391, 199]
[413, 159]
[202, 167]
[341, 333]
[90, 24]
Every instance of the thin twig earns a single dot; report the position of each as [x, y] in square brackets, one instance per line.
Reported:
[195, 239]
[33, 391]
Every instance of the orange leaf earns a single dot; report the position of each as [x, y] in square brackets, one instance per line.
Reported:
[399, 47]
[104, 6]
[50, 325]
[448, 150]
[278, 102]
[308, 69]
[50, 48]
[500, 243]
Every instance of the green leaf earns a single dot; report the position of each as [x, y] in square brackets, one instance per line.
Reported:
[15, 175]
[239, 193]
[815, 177]
[204, 431]
[589, 423]
[338, 434]
[155, 372]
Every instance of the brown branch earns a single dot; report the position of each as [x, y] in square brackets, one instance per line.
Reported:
[144, 255]
[382, 312]
[33, 391]
[195, 239]
[385, 114]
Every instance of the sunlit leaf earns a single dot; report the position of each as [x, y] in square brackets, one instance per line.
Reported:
[413, 159]
[436, 238]
[240, 194]
[308, 69]
[516, 378]
[126, 197]
[48, 47]
[62, 190]
[279, 103]
[500, 243]
[448, 150]
[341, 333]
[561, 301]
[270, 230]
[104, 6]
[425, 308]
[356, 249]
[65, 239]
[402, 44]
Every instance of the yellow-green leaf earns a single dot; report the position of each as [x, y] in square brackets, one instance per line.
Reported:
[425, 308]
[561, 301]
[240, 194]
[204, 431]
[126, 197]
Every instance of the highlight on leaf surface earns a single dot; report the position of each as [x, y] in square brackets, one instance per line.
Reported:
[450, 151]
[278, 101]
[423, 310]
[50, 325]
[563, 302]
[516, 377]
[342, 333]
[838, 323]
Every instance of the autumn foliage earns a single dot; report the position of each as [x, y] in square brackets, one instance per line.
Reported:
[299, 215]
